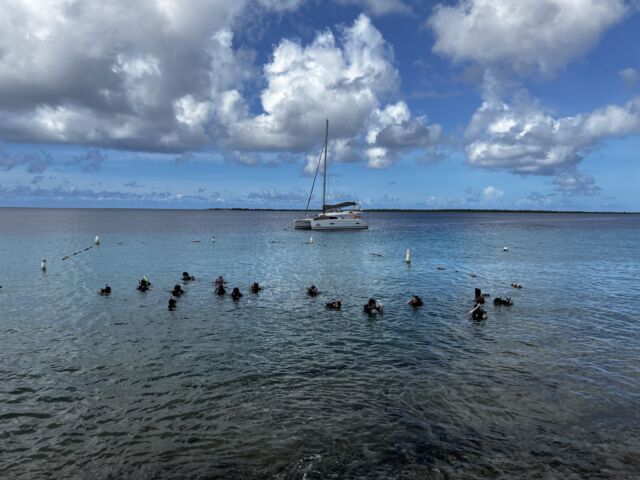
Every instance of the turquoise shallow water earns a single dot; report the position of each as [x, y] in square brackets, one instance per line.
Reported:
[276, 386]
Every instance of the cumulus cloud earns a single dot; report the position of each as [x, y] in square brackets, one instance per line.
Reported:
[525, 35]
[109, 74]
[630, 76]
[576, 183]
[503, 40]
[307, 84]
[379, 7]
[392, 130]
[521, 137]
[166, 76]
[345, 79]
[492, 194]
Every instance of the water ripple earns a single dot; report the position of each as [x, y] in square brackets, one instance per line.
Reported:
[276, 386]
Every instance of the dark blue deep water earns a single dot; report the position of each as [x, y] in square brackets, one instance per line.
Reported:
[276, 386]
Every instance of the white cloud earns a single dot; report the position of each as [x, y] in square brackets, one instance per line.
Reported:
[630, 76]
[191, 112]
[345, 79]
[522, 138]
[492, 194]
[526, 34]
[110, 73]
[165, 75]
[379, 7]
[305, 85]
[576, 183]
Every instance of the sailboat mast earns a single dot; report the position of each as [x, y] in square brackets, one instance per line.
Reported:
[324, 176]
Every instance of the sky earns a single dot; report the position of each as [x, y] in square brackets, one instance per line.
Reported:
[487, 104]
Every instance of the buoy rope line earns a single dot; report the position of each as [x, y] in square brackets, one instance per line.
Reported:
[66, 257]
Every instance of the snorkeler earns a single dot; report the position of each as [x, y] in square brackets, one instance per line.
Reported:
[415, 301]
[186, 277]
[172, 304]
[477, 313]
[373, 306]
[219, 280]
[106, 291]
[334, 305]
[312, 291]
[235, 294]
[144, 284]
[516, 285]
[177, 291]
[503, 301]
[219, 290]
[255, 287]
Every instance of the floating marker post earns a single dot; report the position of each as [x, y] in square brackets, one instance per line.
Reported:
[43, 264]
[97, 240]
[407, 257]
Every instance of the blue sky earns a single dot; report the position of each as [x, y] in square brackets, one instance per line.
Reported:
[531, 104]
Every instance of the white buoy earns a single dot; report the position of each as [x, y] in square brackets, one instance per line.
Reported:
[310, 239]
[97, 240]
[505, 249]
[43, 264]
[407, 257]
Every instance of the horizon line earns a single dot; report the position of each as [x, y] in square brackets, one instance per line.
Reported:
[374, 210]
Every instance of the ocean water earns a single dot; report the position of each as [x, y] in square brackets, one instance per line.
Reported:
[276, 386]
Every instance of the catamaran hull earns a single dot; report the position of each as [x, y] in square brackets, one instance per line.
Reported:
[339, 224]
[302, 224]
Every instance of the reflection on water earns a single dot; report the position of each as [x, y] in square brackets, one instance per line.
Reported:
[276, 386]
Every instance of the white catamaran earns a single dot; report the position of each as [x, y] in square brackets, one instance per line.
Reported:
[333, 217]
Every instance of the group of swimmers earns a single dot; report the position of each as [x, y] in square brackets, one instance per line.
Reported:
[372, 307]
[219, 289]
[478, 313]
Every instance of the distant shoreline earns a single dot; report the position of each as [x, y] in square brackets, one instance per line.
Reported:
[371, 210]
[446, 210]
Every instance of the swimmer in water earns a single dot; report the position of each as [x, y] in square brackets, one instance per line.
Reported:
[219, 290]
[144, 284]
[235, 294]
[177, 291]
[312, 291]
[255, 287]
[186, 277]
[477, 313]
[503, 301]
[373, 306]
[219, 280]
[334, 305]
[172, 304]
[106, 291]
[415, 301]
[516, 285]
